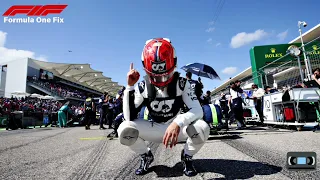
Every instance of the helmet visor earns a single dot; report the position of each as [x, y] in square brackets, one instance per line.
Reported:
[161, 78]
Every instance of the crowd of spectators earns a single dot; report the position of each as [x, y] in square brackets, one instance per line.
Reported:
[57, 89]
[8, 105]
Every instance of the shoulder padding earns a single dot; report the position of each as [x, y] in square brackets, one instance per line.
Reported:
[182, 83]
[142, 86]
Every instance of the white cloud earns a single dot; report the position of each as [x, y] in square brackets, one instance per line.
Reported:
[211, 23]
[211, 29]
[230, 70]
[244, 38]
[218, 44]
[282, 35]
[209, 40]
[7, 54]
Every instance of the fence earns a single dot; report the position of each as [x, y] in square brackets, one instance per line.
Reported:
[286, 73]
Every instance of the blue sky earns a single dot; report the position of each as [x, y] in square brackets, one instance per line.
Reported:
[111, 34]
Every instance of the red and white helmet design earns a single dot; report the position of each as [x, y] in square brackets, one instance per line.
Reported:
[159, 61]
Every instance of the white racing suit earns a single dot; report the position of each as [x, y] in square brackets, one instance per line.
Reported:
[163, 109]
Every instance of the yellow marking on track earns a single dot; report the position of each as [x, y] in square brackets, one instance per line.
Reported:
[93, 138]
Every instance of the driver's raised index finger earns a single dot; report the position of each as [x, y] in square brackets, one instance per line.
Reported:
[131, 66]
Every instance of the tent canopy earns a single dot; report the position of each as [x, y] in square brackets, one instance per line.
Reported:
[81, 74]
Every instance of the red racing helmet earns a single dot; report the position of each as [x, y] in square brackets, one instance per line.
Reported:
[159, 61]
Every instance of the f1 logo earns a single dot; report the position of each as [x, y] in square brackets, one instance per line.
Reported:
[159, 67]
[35, 10]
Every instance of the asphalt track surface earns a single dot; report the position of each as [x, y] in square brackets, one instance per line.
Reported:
[76, 154]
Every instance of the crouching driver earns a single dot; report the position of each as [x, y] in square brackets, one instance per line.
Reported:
[164, 93]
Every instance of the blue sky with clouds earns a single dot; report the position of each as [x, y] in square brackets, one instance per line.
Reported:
[111, 34]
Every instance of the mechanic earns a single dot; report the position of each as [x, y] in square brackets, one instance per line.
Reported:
[103, 101]
[88, 111]
[163, 92]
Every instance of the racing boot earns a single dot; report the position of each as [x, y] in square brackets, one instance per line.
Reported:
[146, 160]
[112, 134]
[188, 165]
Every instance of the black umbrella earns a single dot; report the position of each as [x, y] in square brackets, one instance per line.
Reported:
[202, 70]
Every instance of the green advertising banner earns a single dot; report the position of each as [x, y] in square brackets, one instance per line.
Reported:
[263, 55]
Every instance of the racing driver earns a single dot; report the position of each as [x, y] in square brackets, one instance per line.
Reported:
[164, 93]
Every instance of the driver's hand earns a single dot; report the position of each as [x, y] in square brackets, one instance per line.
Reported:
[132, 76]
[171, 135]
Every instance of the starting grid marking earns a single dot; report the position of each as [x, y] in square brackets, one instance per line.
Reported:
[93, 138]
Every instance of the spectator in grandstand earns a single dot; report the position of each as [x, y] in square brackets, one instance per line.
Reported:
[56, 89]
[89, 111]
[103, 101]
[62, 114]
[257, 96]
[236, 103]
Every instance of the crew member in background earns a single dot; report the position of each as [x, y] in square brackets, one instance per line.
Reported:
[269, 90]
[236, 103]
[195, 85]
[316, 75]
[118, 103]
[257, 96]
[119, 115]
[103, 101]
[110, 115]
[224, 106]
[62, 114]
[206, 99]
[89, 107]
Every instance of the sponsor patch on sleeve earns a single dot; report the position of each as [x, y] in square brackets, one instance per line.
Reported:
[142, 86]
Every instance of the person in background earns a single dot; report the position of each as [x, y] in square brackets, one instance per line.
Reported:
[103, 101]
[257, 96]
[316, 75]
[118, 113]
[88, 106]
[110, 115]
[269, 90]
[118, 102]
[236, 103]
[206, 99]
[62, 114]
[224, 106]
[195, 85]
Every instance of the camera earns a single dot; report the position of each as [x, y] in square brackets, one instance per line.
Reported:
[302, 23]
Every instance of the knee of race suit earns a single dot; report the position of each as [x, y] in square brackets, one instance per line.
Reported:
[198, 131]
[128, 133]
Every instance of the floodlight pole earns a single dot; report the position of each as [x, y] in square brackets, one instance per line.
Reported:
[300, 69]
[306, 60]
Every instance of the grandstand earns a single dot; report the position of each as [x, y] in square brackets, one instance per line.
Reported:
[247, 77]
[62, 81]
